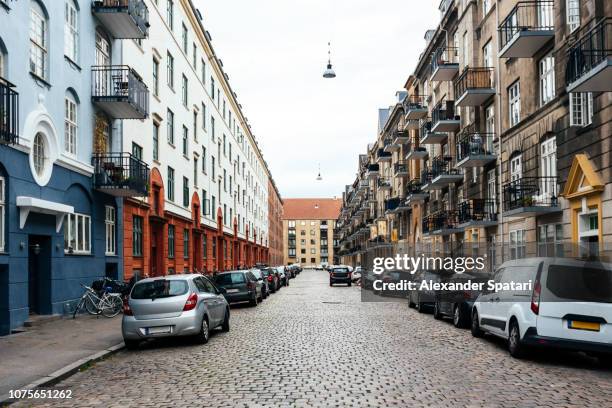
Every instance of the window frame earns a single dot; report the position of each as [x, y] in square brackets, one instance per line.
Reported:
[71, 31]
[82, 231]
[137, 235]
[514, 103]
[39, 41]
[71, 125]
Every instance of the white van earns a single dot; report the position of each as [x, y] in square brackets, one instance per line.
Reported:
[569, 305]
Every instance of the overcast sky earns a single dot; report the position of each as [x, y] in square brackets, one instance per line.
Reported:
[275, 52]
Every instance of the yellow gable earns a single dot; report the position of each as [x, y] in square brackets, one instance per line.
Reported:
[582, 179]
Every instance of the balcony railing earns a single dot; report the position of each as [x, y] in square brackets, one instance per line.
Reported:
[400, 169]
[440, 173]
[123, 18]
[526, 29]
[531, 195]
[474, 86]
[477, 210]
[441, 222]
[383, 156]
[414, 150]
[392, 204]
[9, 113]
[474, 149]
[384, 183]
[415, 107]
[121, 174]
[414, 192]
[444, 64]
[444, 118]
[427, 136]
[120, 91]
[589, 64]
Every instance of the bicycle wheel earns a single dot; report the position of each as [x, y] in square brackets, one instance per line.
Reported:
[78, 307]
[111, 306]
[91, 306]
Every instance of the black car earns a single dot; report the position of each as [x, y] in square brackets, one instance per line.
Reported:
[395, 277]
[458, 303]
[239, 286]
[265, 291]
[340, 275]
[272, 278]
[423, 299]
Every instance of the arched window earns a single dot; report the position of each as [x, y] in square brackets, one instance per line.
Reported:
[39, 154]
[70, 123]
[71, 30]
[39, 32]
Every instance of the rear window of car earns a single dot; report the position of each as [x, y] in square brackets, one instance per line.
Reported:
[161, 288]
[586, 284]
[341, 270]
[230, 278]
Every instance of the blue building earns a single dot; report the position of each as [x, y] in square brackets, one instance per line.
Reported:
[62, 171]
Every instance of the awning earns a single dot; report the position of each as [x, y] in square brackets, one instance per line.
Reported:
[31, 204]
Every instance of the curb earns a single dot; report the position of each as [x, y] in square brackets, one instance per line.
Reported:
[64, 372]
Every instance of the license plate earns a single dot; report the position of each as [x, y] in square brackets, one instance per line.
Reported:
[159, 330]
[574, 324]
[232, 290]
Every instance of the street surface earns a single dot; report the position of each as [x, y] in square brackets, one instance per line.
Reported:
[315, 345]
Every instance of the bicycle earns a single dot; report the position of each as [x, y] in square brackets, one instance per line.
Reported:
[107, 304]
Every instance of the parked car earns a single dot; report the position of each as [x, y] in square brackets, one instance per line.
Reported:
[240, 286]
[393, 277]
[177, 305]
[569, 305]
[424, 299]
[272, 278]
[340, 275]
[457, 304]
[357, 274]
[284, 280]
[265, 292]
[289, 272]
[368, 279]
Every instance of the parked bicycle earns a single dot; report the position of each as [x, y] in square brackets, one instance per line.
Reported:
[102, 301]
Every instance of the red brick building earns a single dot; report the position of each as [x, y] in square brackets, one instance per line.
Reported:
[275, 225]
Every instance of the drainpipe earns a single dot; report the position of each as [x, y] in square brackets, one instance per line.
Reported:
[498, 123]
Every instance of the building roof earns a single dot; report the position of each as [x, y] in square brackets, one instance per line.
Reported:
[311, 208]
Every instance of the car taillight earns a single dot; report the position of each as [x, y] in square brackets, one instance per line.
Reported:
[269, 278]
[127, 310]
[386, 279]
[191, 302]
[467, 295]
[350, 274]
[535, 297]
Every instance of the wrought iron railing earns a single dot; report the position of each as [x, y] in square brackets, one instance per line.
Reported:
[444, 55]
[439, 220]
[444, 110]
[383, 183]
[414, 186]
[373, 167]
[441, 165]
[414, 102]
[9, 113]
[121, 171]
[473, 78]
[526, 16]
[119, 83]
[400, 167]
[477, 209]
[382, 154]
[137, 10]
[391, 204]
[590, 50]
[473, 143]
[531, 192]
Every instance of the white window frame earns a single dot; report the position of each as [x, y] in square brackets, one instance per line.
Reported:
[572, 13]
[487, 54]
[516, 168]
[80, 231]
[514, 103]
[465, 51]
[2, 213]
[110, 222]
[486, 6]
[70, 125]
[39, 32]
[548, 164]
[547, 79]
[517, 244]
[71, 31]
[581, 108]
[492, 188]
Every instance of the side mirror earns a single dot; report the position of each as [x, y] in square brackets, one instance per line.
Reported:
[222, 291]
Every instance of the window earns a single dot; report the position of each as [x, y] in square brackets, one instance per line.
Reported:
[213, 206]
[212, 128]
[185, 192]
[110, 226]
[2, 213]
[186, 243]
[212, 88]
[487, 54]
[581, 108]
[77, 233]
[70, 125]
[185, 37]
[486, 6]
[170, 184]
[71, 31]
[137, 151]
[205, 209]
[170, 241]
[184, 91]
[548, 155]
[224, 180]
[225, 214]
[212, 167]
[203, 116]
[203, 71]
[195, 171]
[514, 103]
[137, 233]
[517, 244]
[550, 238]
[572, 12]
[547, 79]
[195, 126]
[292, 252]
[214, 247]
[204, 246]
[38, 41]
[39, 154]
[170, 14]
[203, 160]
[516, 170]
[185, 140]
[491, 189]
[466, 50]
[155, 77]
[291, 224]
[170, 126]
[155, 141]
[170, 70]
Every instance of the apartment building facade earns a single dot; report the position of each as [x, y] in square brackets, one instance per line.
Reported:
[308, 230]
[275, 225]
[505, 116]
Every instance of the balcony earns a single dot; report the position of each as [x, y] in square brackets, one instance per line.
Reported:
[528, 27]
[384, 184]
[373, 171]
[415, 107]
[429, 137]
[531, 196]
[441, 223]
[443, 117]
[400, 137]
[119, 91]
[382, 156]
[390, 146]
[444, 64]
[415, 151]
[474, 86]
[440, 174]
[478, 212]
[392, 205]
[474, 149]
[415, 193]
[589, 64]
[120, 175]
[400, 169]
[123, 18]
[9, 113]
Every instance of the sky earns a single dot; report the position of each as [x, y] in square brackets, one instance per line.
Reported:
[275, 52]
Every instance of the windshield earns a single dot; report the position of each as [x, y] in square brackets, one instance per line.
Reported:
[230, 278]
[161, 288]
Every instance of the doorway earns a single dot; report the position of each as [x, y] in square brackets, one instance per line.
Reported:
[39, 274]
[157, 246]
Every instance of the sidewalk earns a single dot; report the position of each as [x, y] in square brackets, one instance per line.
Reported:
[31, 356]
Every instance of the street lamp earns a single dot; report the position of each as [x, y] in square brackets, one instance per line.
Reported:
[329, 72]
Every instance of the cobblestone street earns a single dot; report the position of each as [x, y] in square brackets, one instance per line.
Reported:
[315, 345]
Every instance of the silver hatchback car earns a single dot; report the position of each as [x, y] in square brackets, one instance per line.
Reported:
[175, 305]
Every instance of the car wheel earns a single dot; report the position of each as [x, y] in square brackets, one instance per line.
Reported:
[605, 359]
[330, 283]
[253, 301]
[515, 347]
[204, 331]
[131, 344]
[436, 312]
[225, 327]
[475, 326]
[459, 318]
[349, 284]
